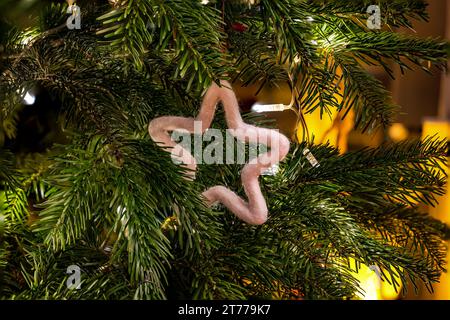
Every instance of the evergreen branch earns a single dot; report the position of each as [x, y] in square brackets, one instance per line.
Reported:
[193, 39]
[406, 227]
[255, 60]
[8, 173]
[409, 172]
[366, 96]
[395, 13]
[287, 19]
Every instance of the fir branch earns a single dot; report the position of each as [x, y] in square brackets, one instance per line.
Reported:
[195, 40]
[395, 13]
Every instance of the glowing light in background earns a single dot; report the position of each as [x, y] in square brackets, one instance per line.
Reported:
[440, 129]
[398, 132]
[28, 36]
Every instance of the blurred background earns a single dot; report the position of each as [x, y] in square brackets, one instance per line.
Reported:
[424, 98]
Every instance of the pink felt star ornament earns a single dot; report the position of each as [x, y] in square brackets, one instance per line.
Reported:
[254, 211]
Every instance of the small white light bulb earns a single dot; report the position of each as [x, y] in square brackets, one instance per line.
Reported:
[272, 171]
[29, 99]
[259, 108]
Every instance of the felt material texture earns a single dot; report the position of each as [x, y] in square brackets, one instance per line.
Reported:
[254, 211]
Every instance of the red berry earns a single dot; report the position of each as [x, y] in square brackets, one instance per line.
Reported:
[239, 27]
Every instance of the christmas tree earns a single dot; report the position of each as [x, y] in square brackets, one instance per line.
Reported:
[92, 194]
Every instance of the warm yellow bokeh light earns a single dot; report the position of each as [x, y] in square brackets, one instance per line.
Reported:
[398, 132]
[440, 129]
[373, 287]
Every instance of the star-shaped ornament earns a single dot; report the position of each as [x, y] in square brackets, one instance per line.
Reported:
[254, 211]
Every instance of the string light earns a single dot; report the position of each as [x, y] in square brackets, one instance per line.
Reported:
[312, 160]
[28, 36]
[29, 99]
[259, 108]
[272, 171]
[26, 41]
